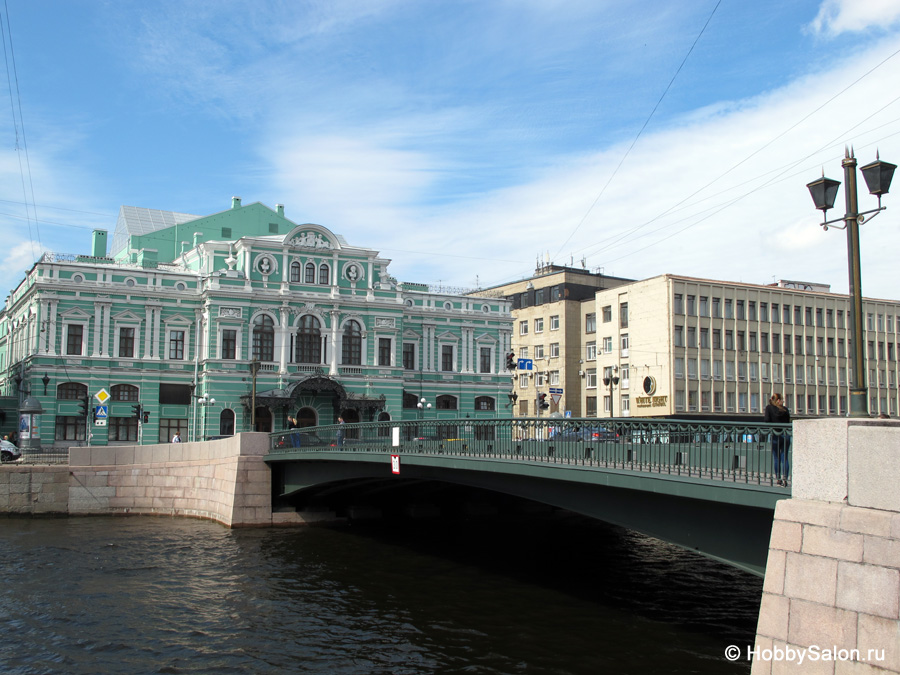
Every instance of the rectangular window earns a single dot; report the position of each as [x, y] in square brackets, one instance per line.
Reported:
[692, 369]
[798, 315]
[741, 343]
[678, 304]
[717, 308]
[176, 344]
[123, 429]
[776, 343]
[677, 336]
[808, 314]
[819, 320]
[539, 351]
[229, 344]
[786, 314]
[554, 322]
[590, 323]
[729, 308]
[554, 378]
[798, 344]
[729, 371]
[751, 310]
[717, 370]
[523, 352]
[409, 356]
[840, 322]
[539, 325]
[764, 343]
[126, 343]
[69, 429]
[607, 345]
[704, 338]
[624, 344]
[740, 310]
[717, 338]
[752, 345]
[74, 338]
[623, 315]
[590, 408]
[775, 313]
[691, 336]
[590, 351]
[704, 306]
[171, 426]
[679, 368]
[787, 344]
[691, 305]
[384, 351]
[763, 311]
[485, 360]
[729, 339]
[523, 328]
[704, 369]
[523, 380]
[607, 314]
[447, 358]
[554, 350]
[590, 378]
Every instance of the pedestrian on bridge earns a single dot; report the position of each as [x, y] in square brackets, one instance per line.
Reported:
[777, 412]
[295, 435]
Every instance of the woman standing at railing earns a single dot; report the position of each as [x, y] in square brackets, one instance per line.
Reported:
[777, 412]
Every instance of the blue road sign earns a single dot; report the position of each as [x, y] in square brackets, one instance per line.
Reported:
[556, 390]
[102, 412]
[525, 364]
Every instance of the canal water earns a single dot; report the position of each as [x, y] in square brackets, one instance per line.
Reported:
[543, 594]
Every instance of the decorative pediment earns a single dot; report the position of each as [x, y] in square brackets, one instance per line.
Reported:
[75, 314]
[486, 338]
[178, 318]
[409, 334]
[310, 236]
[447, 337]
[127, 316]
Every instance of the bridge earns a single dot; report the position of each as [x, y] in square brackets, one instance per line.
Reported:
[708, 487]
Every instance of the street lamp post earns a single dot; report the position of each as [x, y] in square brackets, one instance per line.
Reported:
[204, 402]
[611, 381]
[422, 406]
[878, 177]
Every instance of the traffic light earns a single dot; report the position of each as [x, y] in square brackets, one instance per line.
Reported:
[83, 406]
[511, 361]
[136, 410]
[542, 402]
[146, 417]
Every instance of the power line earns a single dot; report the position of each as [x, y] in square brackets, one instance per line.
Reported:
[11, 55]
[643, 127]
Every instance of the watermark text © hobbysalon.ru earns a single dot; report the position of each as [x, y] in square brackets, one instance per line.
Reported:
[800, 654]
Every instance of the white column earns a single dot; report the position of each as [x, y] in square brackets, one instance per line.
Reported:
[158, 337]
[51, 328]
[104, 340]
[98, 322]
[148, 332]
[333, 365]
[283, 331]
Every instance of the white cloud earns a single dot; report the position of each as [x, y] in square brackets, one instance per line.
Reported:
[839, 16]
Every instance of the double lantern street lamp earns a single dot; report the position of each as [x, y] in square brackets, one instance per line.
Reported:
[422, 406]
[878, 177]
[203, 402]
[611, 381]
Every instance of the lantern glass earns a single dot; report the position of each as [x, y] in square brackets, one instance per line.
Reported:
[878, 176]
[823, 192]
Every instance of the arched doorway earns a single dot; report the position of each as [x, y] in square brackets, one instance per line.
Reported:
[226, 422]
[263, 420]
[306, 417]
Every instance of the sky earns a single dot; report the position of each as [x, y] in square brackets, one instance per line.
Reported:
[467, 141]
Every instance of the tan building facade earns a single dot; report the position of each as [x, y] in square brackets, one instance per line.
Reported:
[549, 312]
[682, 346]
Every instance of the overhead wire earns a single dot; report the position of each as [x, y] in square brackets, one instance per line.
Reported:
[643, 127]
[19, 121]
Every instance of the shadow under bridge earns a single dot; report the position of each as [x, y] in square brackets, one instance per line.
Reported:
[703, 486]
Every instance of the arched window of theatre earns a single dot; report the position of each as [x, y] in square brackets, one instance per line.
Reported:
[324, 279]
[226, 422]
[310, 273]
[309, 340]
[295, 273]
[71, 390]
[264, 338]
[125, 392]
[351, 352]
[445, 402]
[484, 403]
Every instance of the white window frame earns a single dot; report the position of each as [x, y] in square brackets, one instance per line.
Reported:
[554, 322]
[137, 339]
[238, 352]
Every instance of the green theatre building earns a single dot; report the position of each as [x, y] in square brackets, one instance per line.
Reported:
[211, 325]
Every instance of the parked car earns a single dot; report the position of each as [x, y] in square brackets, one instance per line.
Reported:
[9, 452]
[585, 434]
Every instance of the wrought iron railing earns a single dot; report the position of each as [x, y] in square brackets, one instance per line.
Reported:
[739, 452]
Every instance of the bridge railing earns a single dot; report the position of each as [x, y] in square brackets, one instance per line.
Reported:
[725, 451]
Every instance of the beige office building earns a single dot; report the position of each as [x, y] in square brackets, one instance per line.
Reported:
[688, 347]
[549, 313]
